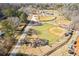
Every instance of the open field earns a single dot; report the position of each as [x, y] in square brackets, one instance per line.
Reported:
[45, 33]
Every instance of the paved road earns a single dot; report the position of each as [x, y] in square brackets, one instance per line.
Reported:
[17, 46]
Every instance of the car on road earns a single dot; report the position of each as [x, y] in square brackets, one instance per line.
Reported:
[70, 49]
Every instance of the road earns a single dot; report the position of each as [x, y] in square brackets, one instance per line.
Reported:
[17, 46]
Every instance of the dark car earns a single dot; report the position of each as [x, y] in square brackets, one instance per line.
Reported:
[69, 33]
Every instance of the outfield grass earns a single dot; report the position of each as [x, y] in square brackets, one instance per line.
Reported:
[45, 34]
[46, 18]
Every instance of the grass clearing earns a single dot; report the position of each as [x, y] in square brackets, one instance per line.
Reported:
[45, 34]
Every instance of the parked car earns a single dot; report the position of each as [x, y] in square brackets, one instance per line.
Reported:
[70, 49]
[69, 33]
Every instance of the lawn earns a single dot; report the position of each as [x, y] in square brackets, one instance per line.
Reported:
[45, 34]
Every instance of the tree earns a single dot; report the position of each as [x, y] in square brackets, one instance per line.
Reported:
[23, 17]
[9, 12]
[18, 13]
[8, 28]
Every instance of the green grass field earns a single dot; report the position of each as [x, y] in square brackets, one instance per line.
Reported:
[45, 34]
